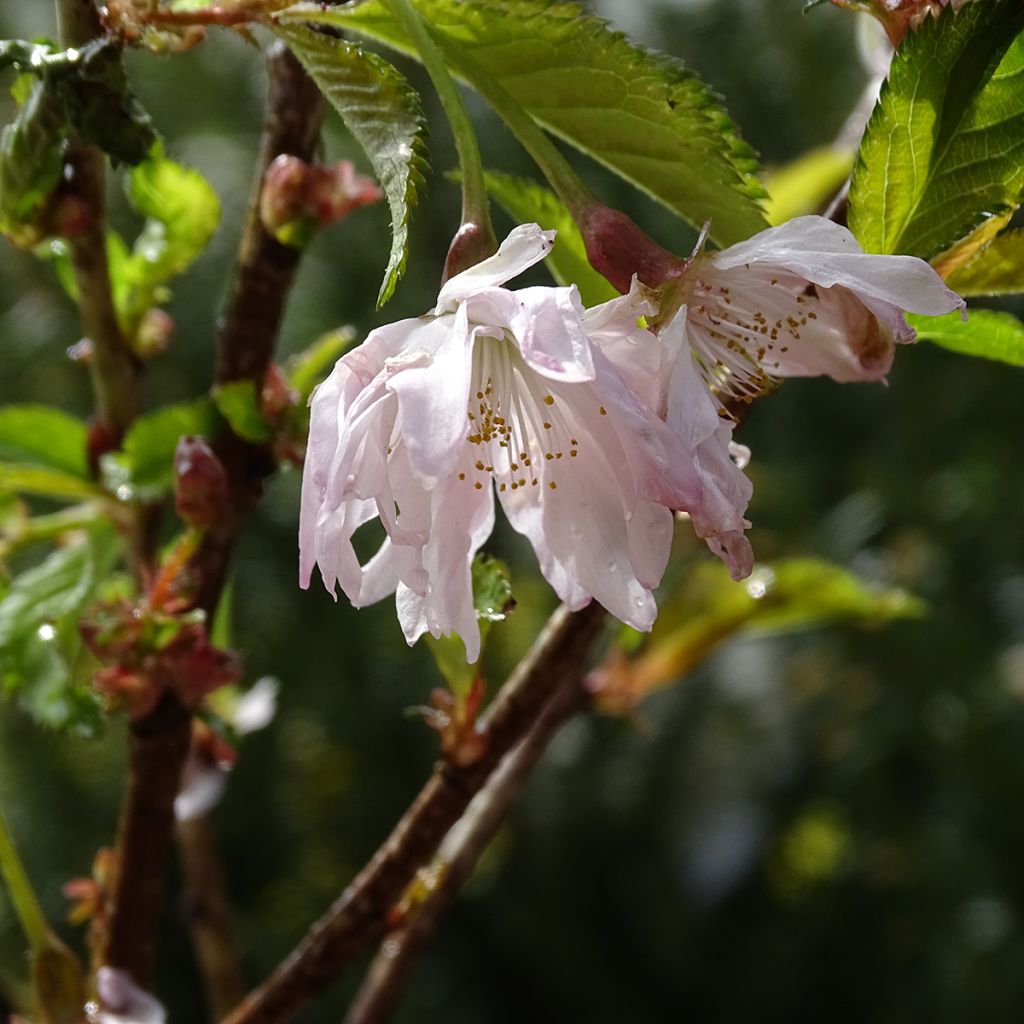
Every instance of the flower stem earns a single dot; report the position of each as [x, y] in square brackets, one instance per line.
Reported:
[475, 207]
[26, 906]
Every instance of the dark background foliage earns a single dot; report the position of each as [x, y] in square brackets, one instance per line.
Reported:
[818, 826]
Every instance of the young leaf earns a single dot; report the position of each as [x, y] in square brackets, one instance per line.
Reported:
[985, 334]
[39, 435]
[17, 478]
[997, 270]
[31, 157]
[101, 106]
[643, 115]
[144, 468]
[39, 641]
[382, 111]
[944, 149]
[307, 368]
[526, 201]
[239, 403]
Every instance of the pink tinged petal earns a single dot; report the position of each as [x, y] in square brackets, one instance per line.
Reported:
[827, 254]
[692, 414]
[551, 339]
[526, 245]
[463, 518]
[123, 1002]
[433, 398]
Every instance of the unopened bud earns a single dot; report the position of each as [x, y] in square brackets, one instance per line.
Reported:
[618, 249]
[154, 333]
[200, 483]
[102, 437]
[472, 243]
[283, 198]
[899, 16]
[336, 191]
[277, 394]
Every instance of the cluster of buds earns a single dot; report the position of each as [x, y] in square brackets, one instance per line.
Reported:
[900, 16]
[132, 21]
[298, 197]
[143, 650]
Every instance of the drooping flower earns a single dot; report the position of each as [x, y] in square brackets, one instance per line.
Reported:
[802, 299]
[523, 393]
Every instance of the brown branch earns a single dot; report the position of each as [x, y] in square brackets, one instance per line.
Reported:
[113, 368]
[457, 857]
[160, 740]
[208, 914]
[359, 916]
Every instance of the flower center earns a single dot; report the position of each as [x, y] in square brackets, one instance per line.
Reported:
[516, 421]
[738, 335]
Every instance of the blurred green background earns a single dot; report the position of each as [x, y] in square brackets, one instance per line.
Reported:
[824, 825]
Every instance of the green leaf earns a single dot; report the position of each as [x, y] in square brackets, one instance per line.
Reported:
[144, 469]
[492, 602]
[40, 435]
[526, 201]
[239, 403]
[641, 114]
[985, 334]
[492, 589]
[307, 368]
[944, 149]
[100, 104]
[48, 483]
[707, 608]
[382, 111]
[182, 212]
[40, 647]
[31, 158]
[804, 185]
[997, 270]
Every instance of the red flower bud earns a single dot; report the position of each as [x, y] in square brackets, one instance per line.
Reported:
[200, 483]
[471, 244]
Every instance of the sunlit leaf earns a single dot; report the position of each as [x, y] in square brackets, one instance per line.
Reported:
[985, 334]
[944, 149]
[708, 608]
[18, 478]
[804, 185]
[382, 111]
[641, 114]
[997, 270]
[307, 368]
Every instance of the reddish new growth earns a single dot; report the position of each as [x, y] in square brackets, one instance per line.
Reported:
[462, 742]
[297, 196]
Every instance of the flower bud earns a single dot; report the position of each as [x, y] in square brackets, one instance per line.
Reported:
[898, 16]
[200, 483]
[283, 198]
[154, 333]
[618, 249]
[471, 244]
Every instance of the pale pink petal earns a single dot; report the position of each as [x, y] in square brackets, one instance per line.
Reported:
[546, 324]
[202, 787]
[827, 254]
[256, 707]
[526, 245]
[432, 397]
[123, 1002]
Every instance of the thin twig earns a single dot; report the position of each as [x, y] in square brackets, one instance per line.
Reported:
[160, 740]
[359, 916]
[113, 368]
[457, 857]
[208, 914]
